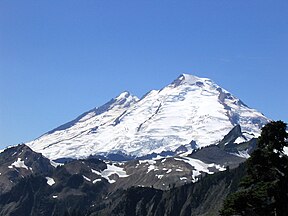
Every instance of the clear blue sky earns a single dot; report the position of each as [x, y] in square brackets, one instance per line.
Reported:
[59, 58]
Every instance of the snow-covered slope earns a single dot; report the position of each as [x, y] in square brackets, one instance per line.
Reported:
[190, 108]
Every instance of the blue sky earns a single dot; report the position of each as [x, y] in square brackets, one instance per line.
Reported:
[61, 58]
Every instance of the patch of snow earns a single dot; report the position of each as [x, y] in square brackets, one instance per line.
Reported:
[220, 168]
[185, 154]
[54, 197]
[111, 181]
[96, 172]
[150, 168]
[169, 171]
[240, 140]
[195, 174]
[18, 164]
[159, 176]
[286, 150]
[226, 143]
[179, 170]
[147, 161]
[86, 178]
[243, 154]
[199, 166]
[50, 181]
[183, 178]
[96, 180]
[158, 157]
[111, 169]
[55, 164]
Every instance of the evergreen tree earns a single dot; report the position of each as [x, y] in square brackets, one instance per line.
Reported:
[264, 190]
[273, 137]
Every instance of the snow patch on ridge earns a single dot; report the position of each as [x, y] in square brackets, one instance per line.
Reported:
[18, 164]
[200, 166]
[111, 169]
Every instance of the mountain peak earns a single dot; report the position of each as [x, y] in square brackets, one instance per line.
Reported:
[190, 108]
[188, 79]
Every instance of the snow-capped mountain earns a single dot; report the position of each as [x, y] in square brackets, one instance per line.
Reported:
[189, 109]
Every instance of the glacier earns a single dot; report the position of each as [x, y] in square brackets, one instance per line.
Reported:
[188, 110]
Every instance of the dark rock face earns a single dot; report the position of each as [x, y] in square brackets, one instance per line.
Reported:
[18, 162]
[231, 136]
[214, 154]
[228, 143]
[202, 198]
[33, 196]
[69, 193]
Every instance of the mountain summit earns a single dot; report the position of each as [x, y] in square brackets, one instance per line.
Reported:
[190, 112]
